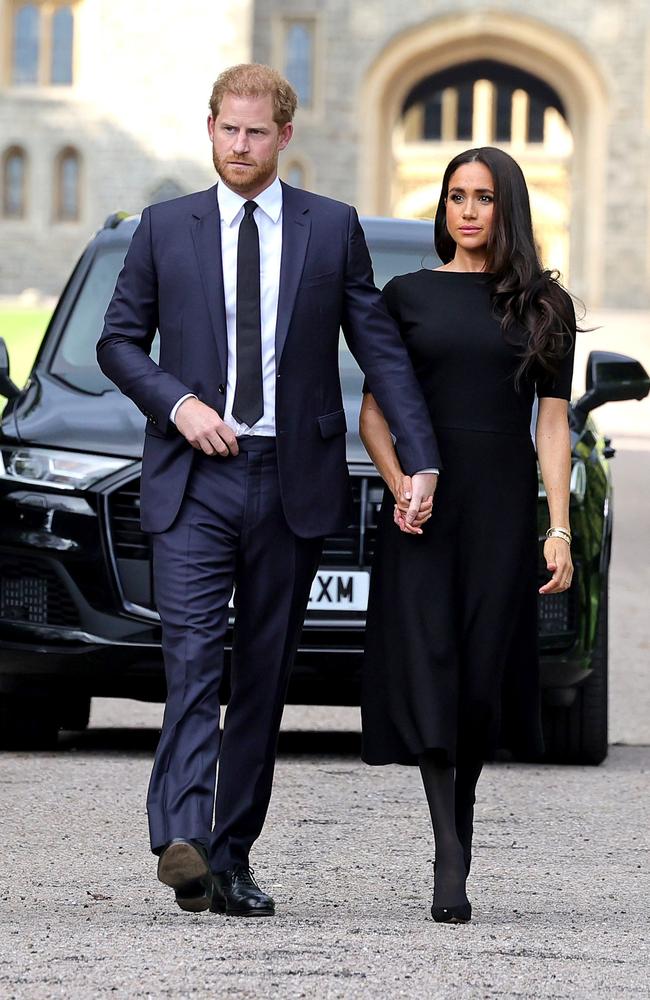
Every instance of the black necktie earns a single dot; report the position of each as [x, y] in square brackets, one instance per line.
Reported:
[248, 404]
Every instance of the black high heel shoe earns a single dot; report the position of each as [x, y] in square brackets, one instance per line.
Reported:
[461, 914]
[458, 913]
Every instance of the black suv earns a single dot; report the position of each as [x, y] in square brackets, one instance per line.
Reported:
[77, 612]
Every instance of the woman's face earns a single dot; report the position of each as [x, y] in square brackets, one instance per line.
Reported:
[470, 205]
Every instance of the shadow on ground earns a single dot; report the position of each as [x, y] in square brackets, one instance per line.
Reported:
[137, 742]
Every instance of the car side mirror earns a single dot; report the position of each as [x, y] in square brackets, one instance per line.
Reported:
[7, 387]
[610, 378]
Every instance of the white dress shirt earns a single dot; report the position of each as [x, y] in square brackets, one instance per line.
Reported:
[268, 218]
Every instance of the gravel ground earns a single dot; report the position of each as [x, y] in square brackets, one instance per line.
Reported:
[559, 885]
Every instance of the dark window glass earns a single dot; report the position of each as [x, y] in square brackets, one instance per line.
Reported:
[465, 110]
[13, 197]
[503, 114]
[299, 59]
[433, 117]
[386, 263]
[62, 34]
[75, 360]
[536, 110]
[25, 47]
[67, 208]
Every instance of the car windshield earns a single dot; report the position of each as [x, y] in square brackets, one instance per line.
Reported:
[74, 360]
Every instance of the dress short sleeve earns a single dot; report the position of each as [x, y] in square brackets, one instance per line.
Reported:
[391, 301]
[558, 384]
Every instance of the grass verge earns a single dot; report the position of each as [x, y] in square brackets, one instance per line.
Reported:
[22, 330]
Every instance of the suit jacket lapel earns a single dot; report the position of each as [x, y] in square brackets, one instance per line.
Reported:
[206, 233]
[296, 227]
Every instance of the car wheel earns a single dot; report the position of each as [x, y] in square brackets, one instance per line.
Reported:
[74, 712]
[27, 723]
[577, 734]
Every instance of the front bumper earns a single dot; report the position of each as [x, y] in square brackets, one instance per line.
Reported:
[327, 668]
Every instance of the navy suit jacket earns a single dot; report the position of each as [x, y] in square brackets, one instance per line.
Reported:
[172, 281]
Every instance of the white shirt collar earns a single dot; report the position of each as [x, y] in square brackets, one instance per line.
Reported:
[231, 203]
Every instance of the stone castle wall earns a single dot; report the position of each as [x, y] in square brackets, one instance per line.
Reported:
[136, 113]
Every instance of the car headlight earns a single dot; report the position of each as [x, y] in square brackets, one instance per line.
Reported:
[65, 470]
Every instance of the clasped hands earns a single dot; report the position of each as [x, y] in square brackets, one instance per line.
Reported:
[413, 501]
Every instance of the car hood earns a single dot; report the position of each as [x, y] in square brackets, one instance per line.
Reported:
[50, 413]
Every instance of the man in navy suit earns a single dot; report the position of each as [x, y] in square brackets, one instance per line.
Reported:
[244, 469]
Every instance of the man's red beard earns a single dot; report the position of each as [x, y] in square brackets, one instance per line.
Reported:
[244, 180]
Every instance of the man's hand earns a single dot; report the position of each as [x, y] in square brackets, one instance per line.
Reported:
[414, 502]
[204, 429]
[422, 489]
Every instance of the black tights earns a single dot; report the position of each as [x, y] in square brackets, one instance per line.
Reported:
[451, 794]
[467, 774]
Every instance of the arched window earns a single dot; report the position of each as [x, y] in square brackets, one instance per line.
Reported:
[480, 101]
[66, 190]
[26, 38]
[62, 35]
[42, 42]
[294, 174]
[14, 183]
[299, 59]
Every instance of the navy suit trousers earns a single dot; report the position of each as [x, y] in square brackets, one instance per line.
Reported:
[230, 531]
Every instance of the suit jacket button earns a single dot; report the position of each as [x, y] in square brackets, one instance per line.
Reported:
[222, 388]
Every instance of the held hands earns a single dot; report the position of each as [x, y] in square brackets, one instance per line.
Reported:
[558, 562]
[413, 501]
[204, 429]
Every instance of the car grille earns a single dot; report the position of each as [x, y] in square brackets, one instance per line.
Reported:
[356, 545]
[129, 541]
[31, 591]
[131, 547]
[557, 618]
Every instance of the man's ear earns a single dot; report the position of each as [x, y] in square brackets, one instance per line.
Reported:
[211, 127]
[285, 135]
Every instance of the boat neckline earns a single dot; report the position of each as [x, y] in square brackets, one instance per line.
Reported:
[438, 270]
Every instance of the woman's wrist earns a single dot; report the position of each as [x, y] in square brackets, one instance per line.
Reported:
[558, 531]
[394, 483]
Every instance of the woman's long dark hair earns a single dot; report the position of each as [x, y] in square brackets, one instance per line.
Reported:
[523, 293]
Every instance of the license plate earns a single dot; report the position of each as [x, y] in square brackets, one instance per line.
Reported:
[339, 591]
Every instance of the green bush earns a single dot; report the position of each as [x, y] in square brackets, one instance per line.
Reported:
[22, 330]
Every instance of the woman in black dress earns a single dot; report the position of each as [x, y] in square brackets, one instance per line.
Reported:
[451, 671]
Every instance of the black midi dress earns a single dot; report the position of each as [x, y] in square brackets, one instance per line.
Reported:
[451, 659]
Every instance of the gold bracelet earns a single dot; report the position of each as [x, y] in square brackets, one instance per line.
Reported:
[563, 533]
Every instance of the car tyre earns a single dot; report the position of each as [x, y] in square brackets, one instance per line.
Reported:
[577, 734]
[74, 712]
[27, 723]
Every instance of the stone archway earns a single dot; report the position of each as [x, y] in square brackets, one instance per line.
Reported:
[525, 43]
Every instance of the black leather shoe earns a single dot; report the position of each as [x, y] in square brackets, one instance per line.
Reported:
[237, 894]
[183, 865]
